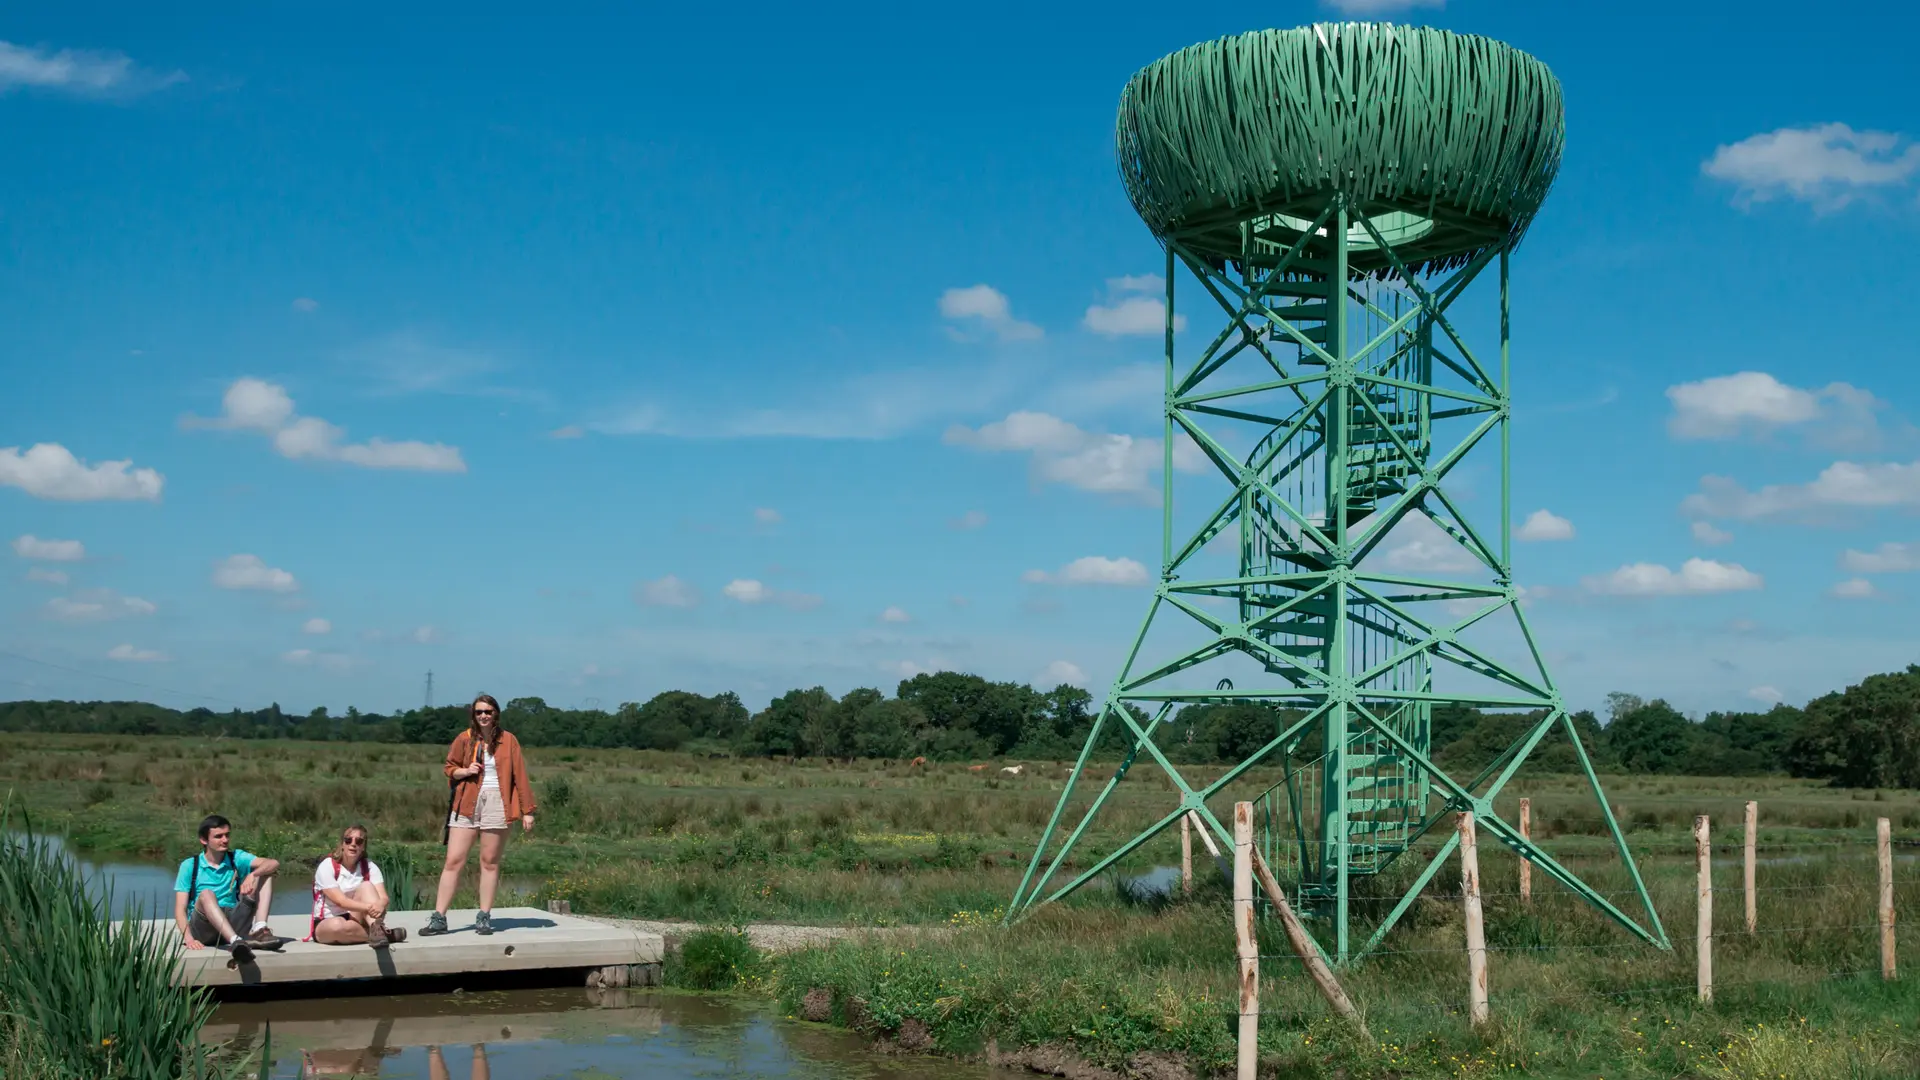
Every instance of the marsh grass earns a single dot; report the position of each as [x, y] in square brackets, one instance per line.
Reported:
[86, 998]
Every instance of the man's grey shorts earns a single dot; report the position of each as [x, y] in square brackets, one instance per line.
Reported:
[239, 916]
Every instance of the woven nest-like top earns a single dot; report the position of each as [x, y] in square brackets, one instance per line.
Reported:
[1456, 137]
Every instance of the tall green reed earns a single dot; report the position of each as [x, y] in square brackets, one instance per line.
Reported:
[84, 997]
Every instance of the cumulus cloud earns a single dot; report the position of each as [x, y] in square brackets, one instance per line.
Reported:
[251, 404]
[50, 577]
[131, 655]
[1705, 533]
[427, 635]
[80, 72]
[329, 661]
[316, 626]
[766, 515]
[967, 522]
[1092, 570]
[748, 591]
[1063, 453]
[669, 591]
[1766, 695]
[1843, 484]
[986, 306]
[895, 615]
[570, 431]
[306, 305]
[1695, 577]
[1854, 589]
[1544, 525]
[1754, 403]
[1417, 545]
[252, 572]
[1061, 671]
[50, 471]
[1127, 311]
[32, 547]
[1824, 165]
[1888, 558]
[97, 605]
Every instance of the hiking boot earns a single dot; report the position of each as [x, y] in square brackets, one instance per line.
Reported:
[436, 924]
[241, 953]
[483, 922]
[264, 938]
[377, 933]
[396, 934]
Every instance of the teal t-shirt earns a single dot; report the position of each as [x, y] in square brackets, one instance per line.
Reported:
[224, 879]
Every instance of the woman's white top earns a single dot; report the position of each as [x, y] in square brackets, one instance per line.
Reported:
[489, 777]
[346, 881]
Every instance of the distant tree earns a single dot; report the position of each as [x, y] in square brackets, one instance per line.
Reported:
[1865, 736]
[1650, 738]
[889, 728]
[779, 729]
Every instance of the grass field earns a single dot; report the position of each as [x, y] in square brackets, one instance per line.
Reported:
[722, 840]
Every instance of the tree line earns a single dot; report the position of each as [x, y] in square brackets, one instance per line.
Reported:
[1867, 735]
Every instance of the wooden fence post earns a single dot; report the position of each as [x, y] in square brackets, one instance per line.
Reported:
[1186, 853]
[1476, 932]
[1303, 946]
[1883, 830]
[1248, 945]
[1526, 864]
[1753, 830]
[1703, 924]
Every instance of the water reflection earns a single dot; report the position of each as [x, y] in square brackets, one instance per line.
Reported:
[540, 1034]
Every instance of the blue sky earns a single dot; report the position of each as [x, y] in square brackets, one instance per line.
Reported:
[592, 355]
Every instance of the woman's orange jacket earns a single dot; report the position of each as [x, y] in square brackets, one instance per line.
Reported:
[508, 763]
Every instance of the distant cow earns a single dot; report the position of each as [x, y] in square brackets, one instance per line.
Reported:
[1014, 770]
[916, 763]
[976, 768]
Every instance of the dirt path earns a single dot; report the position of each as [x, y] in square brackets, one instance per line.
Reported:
[768, 937]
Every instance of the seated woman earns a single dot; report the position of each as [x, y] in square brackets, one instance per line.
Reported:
[350, 897]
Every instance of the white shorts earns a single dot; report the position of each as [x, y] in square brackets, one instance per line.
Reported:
[489, 813]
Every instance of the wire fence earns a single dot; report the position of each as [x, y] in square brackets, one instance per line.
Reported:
[1749, 905]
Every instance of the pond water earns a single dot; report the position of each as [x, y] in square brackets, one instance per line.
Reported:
[552, 1034]
[147, 888]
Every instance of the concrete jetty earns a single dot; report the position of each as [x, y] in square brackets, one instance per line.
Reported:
[526, 939]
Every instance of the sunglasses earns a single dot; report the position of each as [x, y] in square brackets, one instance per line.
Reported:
[483, 712]
[355, 841]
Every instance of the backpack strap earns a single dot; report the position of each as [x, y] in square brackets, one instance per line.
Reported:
[319, 900]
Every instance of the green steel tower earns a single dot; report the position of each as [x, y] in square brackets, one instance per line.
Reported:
[1335, 190]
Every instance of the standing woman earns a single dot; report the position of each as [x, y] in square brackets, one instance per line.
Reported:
[487, 787]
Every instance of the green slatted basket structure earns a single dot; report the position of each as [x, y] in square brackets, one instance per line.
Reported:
[1334, 190]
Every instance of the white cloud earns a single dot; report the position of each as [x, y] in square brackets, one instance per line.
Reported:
[97, 605]
[1854, 589]
[32, 547]
[1544, 525]
[1755, 403]
[570, 431]
[252, 572]
[427, 635]
[306, 305]
[1695, 577]
[1132, 315]
[1417, 545]
[257, 405]
[989, 306]
[1061, 671]
[1888, 558]
[50, 577]
[668, 591]
[1092, 570]
[1766, 695]
[1062, 453]
[1841, 484]
[766, 515]
[330, 661]
[1705, 533]
[129, 654]
[972, 519]
[50, 471]
[82, 72]
[749, 591]
[895, 615]
[1826, 165]
[316, 626]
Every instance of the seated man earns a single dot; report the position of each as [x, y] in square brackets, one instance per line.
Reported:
[350, 897]
[226, 889]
